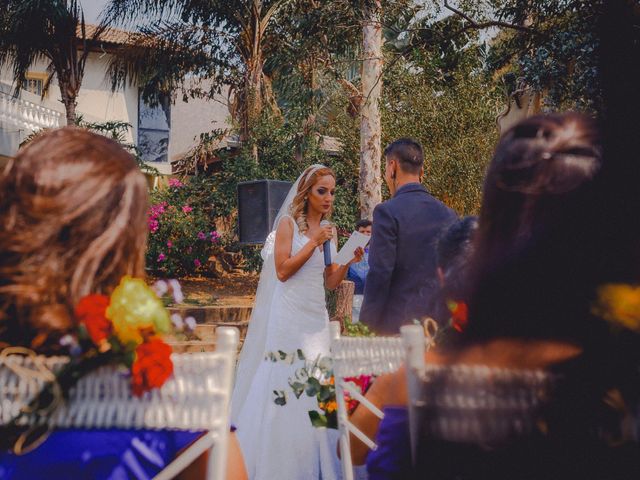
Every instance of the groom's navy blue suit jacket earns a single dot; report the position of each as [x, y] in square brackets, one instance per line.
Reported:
[402, 258]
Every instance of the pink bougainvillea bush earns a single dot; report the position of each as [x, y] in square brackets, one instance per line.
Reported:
[182, 233]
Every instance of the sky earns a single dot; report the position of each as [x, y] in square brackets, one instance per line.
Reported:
[92, 9]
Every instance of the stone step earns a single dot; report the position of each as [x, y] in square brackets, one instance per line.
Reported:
[215, 314]
[192, 346]
[208, 318]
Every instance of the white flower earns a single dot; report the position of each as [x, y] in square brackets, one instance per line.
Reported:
[160, 288]
[190, 323]
[177, 290]
[176, 319]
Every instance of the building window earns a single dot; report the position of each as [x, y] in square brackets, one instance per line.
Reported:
[154, 125]
[34, 83]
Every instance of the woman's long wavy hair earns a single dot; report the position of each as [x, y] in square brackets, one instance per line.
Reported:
[72, 222]
[299, 206]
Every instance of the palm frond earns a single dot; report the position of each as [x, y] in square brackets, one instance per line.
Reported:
[162, 57]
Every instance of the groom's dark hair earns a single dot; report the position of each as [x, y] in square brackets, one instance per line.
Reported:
[408, 153]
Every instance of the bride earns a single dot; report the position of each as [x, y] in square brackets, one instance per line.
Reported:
[278, 442]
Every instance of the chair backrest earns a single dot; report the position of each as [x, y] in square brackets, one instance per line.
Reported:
[196, 397]
[354, 356]
[415, 346]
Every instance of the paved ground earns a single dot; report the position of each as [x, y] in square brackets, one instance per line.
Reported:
[236, 289]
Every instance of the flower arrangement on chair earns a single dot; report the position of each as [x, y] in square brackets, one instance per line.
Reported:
[123, 329]
[315, 379]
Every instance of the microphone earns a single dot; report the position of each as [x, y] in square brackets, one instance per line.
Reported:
[326, 246]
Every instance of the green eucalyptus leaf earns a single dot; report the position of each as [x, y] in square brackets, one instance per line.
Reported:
[317, 420]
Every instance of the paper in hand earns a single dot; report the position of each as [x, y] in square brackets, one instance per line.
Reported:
[356, 240]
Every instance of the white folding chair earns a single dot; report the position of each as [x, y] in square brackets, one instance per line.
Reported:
[415, 346]
[196, 397]
[354, 356]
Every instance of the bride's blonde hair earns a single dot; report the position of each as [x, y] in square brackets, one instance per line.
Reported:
[300, 204]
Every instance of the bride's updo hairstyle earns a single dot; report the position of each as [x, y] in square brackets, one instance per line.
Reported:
[72, 222]
[299, 205]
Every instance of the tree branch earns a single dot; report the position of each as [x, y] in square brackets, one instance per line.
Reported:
[488, 24]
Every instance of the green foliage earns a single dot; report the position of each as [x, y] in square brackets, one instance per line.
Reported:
[558, 56]
[283, 152]
[452, 114]
[117, 130]
[454, 122]
[53, 30]
[357, 329]
[181, 233]
[313, 379]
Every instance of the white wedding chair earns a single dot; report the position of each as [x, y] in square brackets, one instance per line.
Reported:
[415, 345]
[196, 397]
[354, 356]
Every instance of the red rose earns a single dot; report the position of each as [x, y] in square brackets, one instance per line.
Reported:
[459, 316]
[91, 312]
[152, 366]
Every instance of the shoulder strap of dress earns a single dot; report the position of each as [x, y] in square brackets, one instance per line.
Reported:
[295, 225]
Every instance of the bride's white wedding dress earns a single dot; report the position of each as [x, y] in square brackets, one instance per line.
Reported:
[279, 442]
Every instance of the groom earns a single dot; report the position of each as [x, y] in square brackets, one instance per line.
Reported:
[402, 266]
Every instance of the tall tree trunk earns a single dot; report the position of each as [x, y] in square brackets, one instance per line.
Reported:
[69, 81]
[254, 108]
[69, 102]
[370, 128]
[254, 87]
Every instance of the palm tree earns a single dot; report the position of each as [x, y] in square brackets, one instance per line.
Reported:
[220, 40]
[54, 30]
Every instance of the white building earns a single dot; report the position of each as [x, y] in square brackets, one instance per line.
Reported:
[163, 133]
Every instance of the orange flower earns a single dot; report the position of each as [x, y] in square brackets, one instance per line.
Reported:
[152, 366]
[619, 303]
[91, 312]
[331, 406]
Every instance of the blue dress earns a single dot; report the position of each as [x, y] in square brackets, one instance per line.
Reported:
[392, 458]
[112, 454]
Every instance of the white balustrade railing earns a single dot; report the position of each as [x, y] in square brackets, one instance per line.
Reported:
[27, 115]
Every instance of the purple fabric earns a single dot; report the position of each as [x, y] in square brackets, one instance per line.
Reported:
[392, 459]
[97, 455]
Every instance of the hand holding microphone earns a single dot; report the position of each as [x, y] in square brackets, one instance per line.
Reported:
[327, 232]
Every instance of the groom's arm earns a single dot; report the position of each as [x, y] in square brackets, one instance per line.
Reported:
[382, 260]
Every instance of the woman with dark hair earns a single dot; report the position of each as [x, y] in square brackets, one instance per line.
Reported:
[453, 253]
[72, 223]
[530, 391]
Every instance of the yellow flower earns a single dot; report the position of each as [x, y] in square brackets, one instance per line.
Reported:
[135, 306]
[331, 406]
[620, 304]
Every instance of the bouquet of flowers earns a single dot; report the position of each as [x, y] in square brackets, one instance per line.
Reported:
[316, 379]
[122, 329]
[127, 327]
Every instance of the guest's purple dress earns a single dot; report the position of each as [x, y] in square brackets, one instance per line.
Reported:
[392, 459]
[97, 455]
